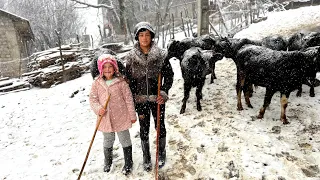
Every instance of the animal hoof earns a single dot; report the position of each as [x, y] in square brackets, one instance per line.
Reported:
[240, 108]
[182, 111]
[285, 121]
[199, 108]
[260, 116]
[312, 95]
[250, 106]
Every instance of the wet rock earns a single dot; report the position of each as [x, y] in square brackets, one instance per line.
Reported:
[280, 138]
[175, 175]
[253, 118]
[305, 145]
[222, 147]
[291, 158]
[163, 176]
[200, 124]
[215, 130]
[276, 129]
[194, 157]
[200, 150]
[74, 93]
[311, 171]
[191, 169]
[233, 172]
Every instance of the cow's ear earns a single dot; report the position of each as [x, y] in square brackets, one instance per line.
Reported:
[218, 56]
[172, 43]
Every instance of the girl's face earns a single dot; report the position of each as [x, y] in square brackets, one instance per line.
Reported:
[108, 71]
[145, 39]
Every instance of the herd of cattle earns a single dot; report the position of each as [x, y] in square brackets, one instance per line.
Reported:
[275, 62]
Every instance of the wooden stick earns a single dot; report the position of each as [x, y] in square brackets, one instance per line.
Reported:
[94, 135]
[158, 129]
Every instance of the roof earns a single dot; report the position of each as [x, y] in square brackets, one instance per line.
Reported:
[21, 24]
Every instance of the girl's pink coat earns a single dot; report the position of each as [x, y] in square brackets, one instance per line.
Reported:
[120, 110]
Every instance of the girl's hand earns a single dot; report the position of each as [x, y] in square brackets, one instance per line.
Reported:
[102, 111]
[133, 121]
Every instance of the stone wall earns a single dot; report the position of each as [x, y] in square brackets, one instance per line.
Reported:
[9, 49]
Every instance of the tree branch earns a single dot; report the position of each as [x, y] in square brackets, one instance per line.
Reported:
[94, 6]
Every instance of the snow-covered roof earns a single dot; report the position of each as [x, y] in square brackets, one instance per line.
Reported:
[22, 24]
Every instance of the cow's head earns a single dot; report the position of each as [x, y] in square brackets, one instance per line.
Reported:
[224, 46]
[207, 42]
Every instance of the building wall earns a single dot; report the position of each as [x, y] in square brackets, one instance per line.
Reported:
[9, 49]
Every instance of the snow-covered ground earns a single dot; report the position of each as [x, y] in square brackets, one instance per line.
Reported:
[45, 134]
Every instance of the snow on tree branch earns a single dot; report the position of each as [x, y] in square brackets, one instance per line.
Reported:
[94, 6]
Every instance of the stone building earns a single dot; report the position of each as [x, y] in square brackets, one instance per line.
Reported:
[15, 39]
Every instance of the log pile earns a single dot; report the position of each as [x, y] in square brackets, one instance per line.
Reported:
[45, 67]
[12, 85]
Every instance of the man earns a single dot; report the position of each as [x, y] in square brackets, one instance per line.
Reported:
[143, 65]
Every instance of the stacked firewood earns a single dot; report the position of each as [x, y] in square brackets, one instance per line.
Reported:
[52, 67]
[46, 69]
[46, 66]
[12, 85]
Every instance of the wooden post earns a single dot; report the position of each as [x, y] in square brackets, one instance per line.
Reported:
[172, 26]
[185, 34]
[212, 27]
[203, 17]
[91, 41]
[168, 30]
[130, 32]
[62, 61]
[162, 23]
[185, 12]
[222, 19]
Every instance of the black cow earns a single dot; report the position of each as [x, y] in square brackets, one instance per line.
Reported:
[311, 80]
[94, 66]
[303, 40]
[275, 70]
[275, 42]
[177, 48]
[230, 47]
[195, 65]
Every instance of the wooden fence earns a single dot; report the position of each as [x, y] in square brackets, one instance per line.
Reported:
[228, 19]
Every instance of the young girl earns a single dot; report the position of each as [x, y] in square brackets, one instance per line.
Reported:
[120, 113]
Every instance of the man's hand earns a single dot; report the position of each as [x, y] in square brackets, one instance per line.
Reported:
[162, 98]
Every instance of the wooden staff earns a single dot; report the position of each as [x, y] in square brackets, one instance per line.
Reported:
[94, 135]
[158, 129]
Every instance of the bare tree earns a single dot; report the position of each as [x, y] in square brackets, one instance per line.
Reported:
[117, 9]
